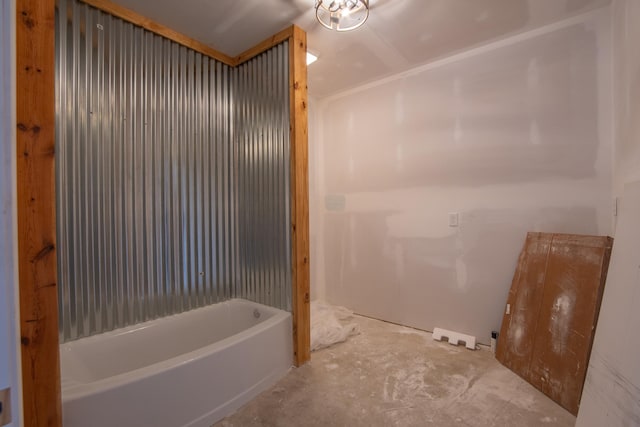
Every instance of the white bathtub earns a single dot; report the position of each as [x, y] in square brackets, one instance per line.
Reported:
[191, 369]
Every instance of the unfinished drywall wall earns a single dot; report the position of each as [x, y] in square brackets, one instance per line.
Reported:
[626, 77]
[611, 393]
[9, 351]
[509, 138]
[316, 202]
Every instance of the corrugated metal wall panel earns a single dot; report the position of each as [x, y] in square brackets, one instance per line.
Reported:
[262, 118]
[172, 175]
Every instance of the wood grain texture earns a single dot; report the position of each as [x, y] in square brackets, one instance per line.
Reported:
[154, 27]
[299, 195]
[35, 139]
[524, 306]
[265, 45]
[554, 304]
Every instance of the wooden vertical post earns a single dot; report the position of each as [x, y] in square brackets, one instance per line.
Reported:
[299, 195]
[35, 151]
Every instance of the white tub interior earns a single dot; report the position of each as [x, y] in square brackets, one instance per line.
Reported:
[216, 358]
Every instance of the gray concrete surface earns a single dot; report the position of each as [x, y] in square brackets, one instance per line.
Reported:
[390, 375]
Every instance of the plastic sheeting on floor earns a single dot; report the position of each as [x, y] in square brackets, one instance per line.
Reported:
[330, 325]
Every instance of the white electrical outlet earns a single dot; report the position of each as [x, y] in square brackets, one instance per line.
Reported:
[5, 406]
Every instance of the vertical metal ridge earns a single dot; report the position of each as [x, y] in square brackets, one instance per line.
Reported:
[286, 181]
[172, 175]
[262, 133]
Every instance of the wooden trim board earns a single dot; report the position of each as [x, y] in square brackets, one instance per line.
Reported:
[35, 148]
[299, 195]
[150, 25]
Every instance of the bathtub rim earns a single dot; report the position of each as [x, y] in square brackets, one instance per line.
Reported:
[71, 390]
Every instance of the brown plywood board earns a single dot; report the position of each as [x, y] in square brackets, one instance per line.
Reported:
[553, 305]
[525, 298]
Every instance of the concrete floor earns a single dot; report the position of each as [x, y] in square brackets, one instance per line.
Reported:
[390, 375]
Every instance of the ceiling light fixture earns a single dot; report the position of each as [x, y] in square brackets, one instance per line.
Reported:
[342, 15]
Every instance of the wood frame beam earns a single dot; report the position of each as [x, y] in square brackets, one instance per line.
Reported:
[35, 148]
[299, 195]
[35, 151]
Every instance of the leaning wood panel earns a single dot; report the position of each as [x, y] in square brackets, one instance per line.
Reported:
[36, 212]
[525, 298]
[574, 284]
[547, 330]
[299, 196]
[154, 27]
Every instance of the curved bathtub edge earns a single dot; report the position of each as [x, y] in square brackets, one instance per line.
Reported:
[73, 391]
[184, 394]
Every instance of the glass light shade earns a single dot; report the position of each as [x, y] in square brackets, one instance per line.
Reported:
[342, 15]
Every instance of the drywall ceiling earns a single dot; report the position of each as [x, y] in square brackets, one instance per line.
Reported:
[399, 35]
